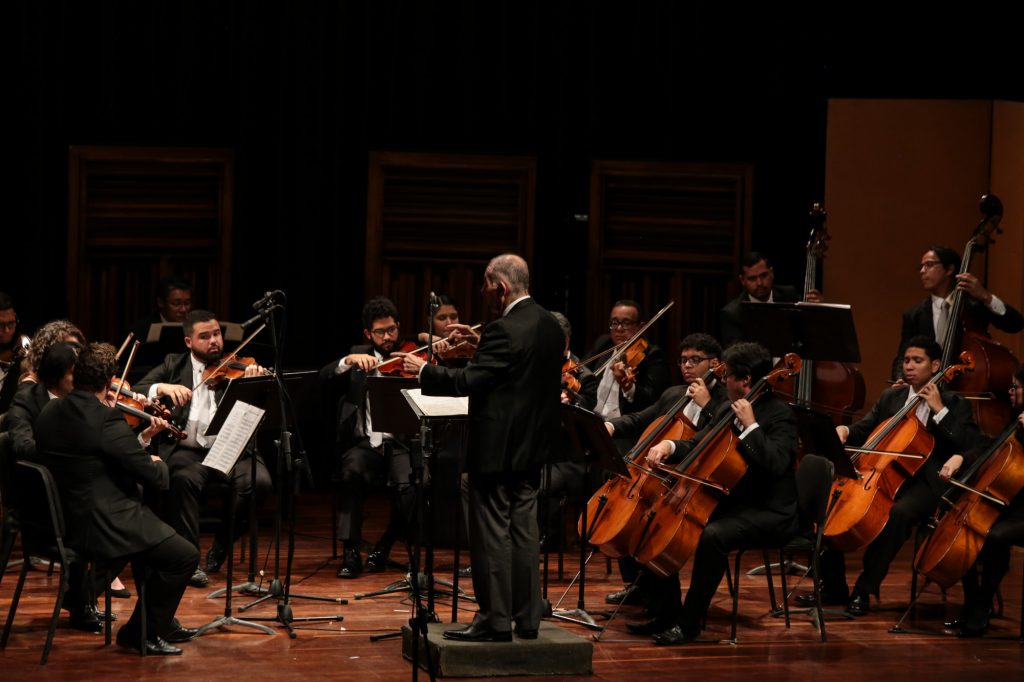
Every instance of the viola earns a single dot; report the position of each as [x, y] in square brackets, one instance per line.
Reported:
[669, 531]
[959, 533]
[615, 509]
[895, 451]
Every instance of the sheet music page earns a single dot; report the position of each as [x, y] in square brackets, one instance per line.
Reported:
[437, 405]
[234, 434]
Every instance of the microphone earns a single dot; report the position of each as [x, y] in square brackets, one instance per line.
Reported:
[260, 315]
[268, 297]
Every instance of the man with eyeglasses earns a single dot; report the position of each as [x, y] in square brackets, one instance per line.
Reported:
[938, 271]
[620, 391]
[698, 354]
[367, 456]
[757, 278]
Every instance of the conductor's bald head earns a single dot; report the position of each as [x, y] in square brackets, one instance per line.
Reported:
[511, 270]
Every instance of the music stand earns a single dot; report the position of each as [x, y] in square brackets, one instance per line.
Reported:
[814, 331]
[590, 442]
[262, 391]
[818, 435]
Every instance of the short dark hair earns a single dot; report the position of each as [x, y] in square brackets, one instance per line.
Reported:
[378, 308]
[96, 365]
[168, 284]
[752, 258]
[946, 256]
[6, 302]
[445, 299]
[747, 359]
[563, 322]
[705, 343]
[929, 345]
[194, 317]
[629, 303]
[56, 361]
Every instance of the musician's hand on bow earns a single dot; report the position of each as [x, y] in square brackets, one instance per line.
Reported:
[411, 363]
[930, 394]
[156, 425]
[699, 392]
[744, 411]
[178, 394]
[362, 361]
[659, 453]
[951, 466]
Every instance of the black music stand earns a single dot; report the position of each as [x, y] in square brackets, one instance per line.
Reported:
[590, 442]
[814, 331]
[263, 392]
[818, 435]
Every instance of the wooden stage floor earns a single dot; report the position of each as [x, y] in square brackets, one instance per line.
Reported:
[766, 650]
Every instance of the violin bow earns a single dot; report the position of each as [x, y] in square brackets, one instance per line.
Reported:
[423, 348]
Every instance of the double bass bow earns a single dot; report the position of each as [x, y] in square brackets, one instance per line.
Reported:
[895, 451]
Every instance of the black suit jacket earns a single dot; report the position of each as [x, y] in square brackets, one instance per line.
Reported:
[918, 321]
[98, 463]
[28, 402]
[955, 434]
[349, 388]
[729, 320]
[513, 383]
[770, 452]
[652, 376]
[632, 425]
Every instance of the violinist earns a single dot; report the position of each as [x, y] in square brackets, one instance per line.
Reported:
[174, 380]
[948, 418]
[46, 336]
[698, 353]
[367, 457]
[762, 508]
[757, 277]
[930, 318]
[981, 582]
[55, 381]
[11, 344]
[622, 390]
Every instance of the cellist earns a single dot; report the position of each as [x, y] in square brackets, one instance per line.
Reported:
[980, 584]
[762, 508]
[947, 417]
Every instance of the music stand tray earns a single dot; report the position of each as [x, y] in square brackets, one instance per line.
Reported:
[257, 391]
[814, 331]
[389, 407]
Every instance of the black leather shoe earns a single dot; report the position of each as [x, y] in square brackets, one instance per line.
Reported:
[156, 646]
[122, 593]
[377, 561]
[215, 557]
[199, 579]
[466, 572]
[628, 595]
[827, 599]
[674, 636]
[478, 633]
[653, 626]
[351, 565]
[526, 633]
[100, 615]
[859, 604]
[86, 620]
[181, 634]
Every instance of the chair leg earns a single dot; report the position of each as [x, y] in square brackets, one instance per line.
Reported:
[62, 585]
[735, 585]
[8, 549]
[14, 602]
[785, 588]
[334, 523]
[771, 581]
[817, 594]
[107, 606]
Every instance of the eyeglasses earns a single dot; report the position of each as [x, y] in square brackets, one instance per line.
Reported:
[622, 324]
[691, 360]
[9, 325]
[381, 333]
[925, 264]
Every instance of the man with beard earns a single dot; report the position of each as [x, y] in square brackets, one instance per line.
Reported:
[367, 455]
[175, 379]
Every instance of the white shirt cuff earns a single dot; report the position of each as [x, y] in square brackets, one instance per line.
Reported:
[997, 306]
[747, 431]
[940, 414]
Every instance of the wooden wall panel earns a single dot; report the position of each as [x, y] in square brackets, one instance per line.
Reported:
[136, 214]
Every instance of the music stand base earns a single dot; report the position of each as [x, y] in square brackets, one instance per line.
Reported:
[227, 621]
[792, 568]
[580, 617]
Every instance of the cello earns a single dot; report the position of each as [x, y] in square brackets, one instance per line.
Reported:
[994, 363]
[669, 531]
[615, 508]
[895, 451]
[959, 532]
[836, 387]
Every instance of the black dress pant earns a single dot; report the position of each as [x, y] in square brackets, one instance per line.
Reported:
[362, 468]
[167, 569]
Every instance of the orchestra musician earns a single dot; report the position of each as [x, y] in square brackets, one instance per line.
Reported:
[45, 337]
[173, 302]
[947, 417]
[981, 582]
[97, 463]
[175, 380]
[445, 321]
[762, 508]
[514, 424]
[930, 317]
[757, 277]
[367, 456]
[698, 353]
[11, 345]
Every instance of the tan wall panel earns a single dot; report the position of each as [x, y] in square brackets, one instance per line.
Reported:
[1006, 262]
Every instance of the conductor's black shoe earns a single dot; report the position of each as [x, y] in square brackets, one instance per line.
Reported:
[377, 561]
[199, 578]
[673, 637]
[478, 633]
[653, 626]
[215, 557]
[859, 604]
[351, 565]
[154, 647]
[628, 595]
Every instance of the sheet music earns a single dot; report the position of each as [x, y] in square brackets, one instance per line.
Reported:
[436, 405]
[234, 434]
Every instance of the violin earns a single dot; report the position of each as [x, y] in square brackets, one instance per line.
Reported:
[633, 356]
[124, 399]
[392, 367]
[234, 368]
[895, 451]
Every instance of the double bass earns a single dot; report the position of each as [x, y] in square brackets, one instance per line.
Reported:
[959, 532]
[836, 387]
[615, 509]
[994, 363]
[669, 531]
[895, 451]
